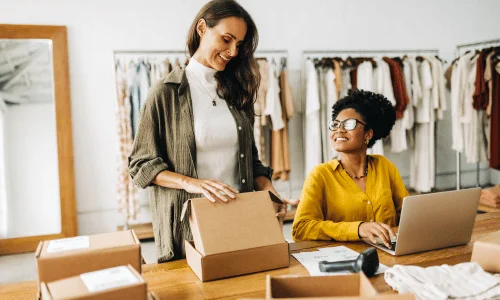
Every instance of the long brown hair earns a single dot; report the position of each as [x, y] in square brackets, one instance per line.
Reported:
[239, 82]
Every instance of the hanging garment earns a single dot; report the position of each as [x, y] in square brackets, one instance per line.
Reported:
[280, 158]
[323, 118]
[144, 83]
[259, 106]
[128, 203]
[456, 126]
[475, 145]
[365, 77]
[408, 116]
[365, 81]
[273, 104]
[312, 139]
[346, 82]
[399, 87]
[487, 117]
[338, 76]
[133, 88]
[495, 118]
[487, 78]
[422, 163]
[331, 97]
[438, 88]
[481, 93]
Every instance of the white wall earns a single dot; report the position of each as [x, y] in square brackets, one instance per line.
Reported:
[96, 28]
[33, 206]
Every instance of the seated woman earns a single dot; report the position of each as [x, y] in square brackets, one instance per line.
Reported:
[358, 195]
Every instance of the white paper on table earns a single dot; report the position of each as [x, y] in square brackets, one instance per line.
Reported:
[310, 260]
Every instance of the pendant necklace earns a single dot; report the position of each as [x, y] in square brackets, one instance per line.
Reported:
[355, 177]
[199, 82]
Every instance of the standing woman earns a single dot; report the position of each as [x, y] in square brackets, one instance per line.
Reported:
[195, 136]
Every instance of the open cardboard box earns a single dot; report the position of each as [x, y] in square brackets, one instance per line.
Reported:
[355, 286]
[486, 252]
[65, 258]
[117, 283]
[239, 237]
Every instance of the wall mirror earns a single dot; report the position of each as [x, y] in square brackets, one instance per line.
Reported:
[37, 197]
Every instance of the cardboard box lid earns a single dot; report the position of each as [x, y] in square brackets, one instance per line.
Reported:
[318, 286]
[95, 242]
[75, 287]
[247, 222]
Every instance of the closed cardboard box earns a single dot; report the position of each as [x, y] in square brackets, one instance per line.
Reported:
[59, 259]
[355, 286]
[486, 252]
[239, 237]
[118, 283]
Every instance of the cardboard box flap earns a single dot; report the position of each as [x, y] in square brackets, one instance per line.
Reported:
[320, 286]
[492, 238]
[247, 222]
[97, 242]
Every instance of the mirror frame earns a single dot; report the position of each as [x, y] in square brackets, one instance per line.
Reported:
[62, 103]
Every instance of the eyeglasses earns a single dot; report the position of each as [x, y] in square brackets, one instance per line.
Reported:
[348, 124]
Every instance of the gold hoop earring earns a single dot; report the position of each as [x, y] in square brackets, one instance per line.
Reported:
[367, 141]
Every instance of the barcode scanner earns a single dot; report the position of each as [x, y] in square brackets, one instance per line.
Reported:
[367, 262]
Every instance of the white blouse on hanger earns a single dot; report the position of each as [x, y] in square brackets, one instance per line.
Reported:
[312, 139]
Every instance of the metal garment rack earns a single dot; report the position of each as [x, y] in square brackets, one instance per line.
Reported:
[310, 54]
[460, 50]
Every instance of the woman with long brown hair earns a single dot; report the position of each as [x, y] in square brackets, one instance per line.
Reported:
[195, 136]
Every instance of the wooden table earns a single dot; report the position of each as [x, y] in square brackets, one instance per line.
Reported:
[175, 280]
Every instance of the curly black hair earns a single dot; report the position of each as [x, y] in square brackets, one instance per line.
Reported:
[376, 110]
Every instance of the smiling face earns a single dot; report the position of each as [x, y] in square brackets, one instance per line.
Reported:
[221, 43]
[349, 141]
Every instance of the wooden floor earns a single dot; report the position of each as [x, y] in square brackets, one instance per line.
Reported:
[175, 280]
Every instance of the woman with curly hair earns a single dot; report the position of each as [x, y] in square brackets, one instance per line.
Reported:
[358, 195]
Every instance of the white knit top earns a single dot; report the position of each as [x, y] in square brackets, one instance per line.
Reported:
[215, 130]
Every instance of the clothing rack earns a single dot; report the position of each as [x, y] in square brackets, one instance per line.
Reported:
[460, 50]
[311, 54]
[280, 57]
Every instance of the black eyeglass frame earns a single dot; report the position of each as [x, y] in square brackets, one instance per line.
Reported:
[331, 126]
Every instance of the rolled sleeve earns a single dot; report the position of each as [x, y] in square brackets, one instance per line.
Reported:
[145, 160]
[143, 174]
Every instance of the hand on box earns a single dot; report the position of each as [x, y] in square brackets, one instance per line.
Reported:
[281, 209]
[372, 230]
[490, 197]
[212, 189]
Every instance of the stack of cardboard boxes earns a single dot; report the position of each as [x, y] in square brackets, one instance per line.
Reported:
[103, 266]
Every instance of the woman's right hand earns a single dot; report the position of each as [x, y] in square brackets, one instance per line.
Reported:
[212, 189]
[372, 230]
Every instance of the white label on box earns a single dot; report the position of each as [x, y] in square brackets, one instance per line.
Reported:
[75, 243]
[108, 279]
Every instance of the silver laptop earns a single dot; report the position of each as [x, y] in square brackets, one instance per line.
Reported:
[434, 221]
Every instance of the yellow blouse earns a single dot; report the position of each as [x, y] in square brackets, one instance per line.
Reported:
[332, 206]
